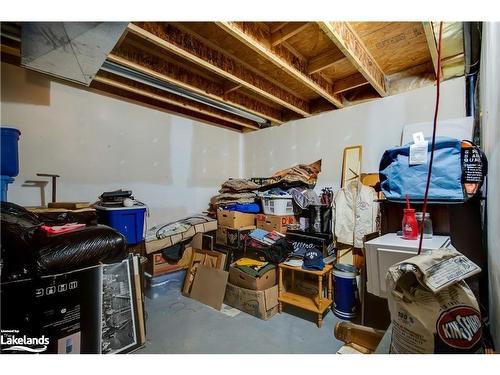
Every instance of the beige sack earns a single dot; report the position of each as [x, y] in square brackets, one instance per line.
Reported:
[432, 308]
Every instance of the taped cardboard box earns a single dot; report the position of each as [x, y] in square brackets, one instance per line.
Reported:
[235, 219]
[239, 278]
[158, 264]
[262, 304]
[275, 222]
[160, 244]
[232, 237]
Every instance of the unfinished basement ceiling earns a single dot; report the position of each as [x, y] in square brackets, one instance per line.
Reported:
[249, 75]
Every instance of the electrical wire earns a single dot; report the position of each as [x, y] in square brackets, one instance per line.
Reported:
[433, 145]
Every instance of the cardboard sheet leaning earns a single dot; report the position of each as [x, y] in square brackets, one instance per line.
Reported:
[432, 308]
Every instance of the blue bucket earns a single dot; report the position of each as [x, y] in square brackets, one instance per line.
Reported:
[10, 156]
[344, 304]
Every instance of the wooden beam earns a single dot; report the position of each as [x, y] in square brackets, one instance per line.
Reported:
[10, 50]
[431, 43]
[280, 57]
[230, 87]
[287, 31]
[324, 60]
[346, 39]
[168, 72]
[184, 45]
[349, 83]
[140, 89]
[278, 26]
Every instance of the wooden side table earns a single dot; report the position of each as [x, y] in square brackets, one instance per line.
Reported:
[315, 303]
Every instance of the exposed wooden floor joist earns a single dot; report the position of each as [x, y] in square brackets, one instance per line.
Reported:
[352, 46]
[324, 60]
[175, 41]
[349, 83]
[286, 32]
[278, 71]
[280, 58]
[431, 42]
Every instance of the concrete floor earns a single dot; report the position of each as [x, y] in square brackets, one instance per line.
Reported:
[177, 324]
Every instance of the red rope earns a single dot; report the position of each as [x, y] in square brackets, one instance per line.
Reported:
[436, 111]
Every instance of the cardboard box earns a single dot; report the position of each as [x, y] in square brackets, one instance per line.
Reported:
[275, 222]
[158, 265]
[221, 236]
[236, 237]
[260, 303]
[234, 219]
[157, 245]
[232, 237]
[239, 278]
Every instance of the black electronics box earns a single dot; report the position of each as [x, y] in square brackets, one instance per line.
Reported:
[303, 239]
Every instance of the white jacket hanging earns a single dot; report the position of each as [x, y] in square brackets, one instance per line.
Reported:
[355, 213]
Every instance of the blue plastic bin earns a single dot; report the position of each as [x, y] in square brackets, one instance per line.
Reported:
[129, 221]
[164, 285]
[10, 156]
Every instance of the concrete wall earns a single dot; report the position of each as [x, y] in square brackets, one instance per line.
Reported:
[490, 100]
[376, 125]
[98, 143]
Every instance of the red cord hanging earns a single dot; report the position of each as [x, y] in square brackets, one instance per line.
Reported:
[436, 111]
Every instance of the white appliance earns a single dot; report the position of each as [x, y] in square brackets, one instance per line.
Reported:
[382, 252]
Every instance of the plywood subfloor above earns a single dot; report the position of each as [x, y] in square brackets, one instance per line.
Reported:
[246, 76]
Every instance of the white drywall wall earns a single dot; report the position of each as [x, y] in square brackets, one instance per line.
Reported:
[98, 143]
[376, 125]
[490, 121]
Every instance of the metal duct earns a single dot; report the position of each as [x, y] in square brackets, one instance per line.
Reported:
[472, 55]
[69, 50]
[168, 87]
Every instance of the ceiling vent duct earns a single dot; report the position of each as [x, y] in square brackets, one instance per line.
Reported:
[70, 50]
[173, 89]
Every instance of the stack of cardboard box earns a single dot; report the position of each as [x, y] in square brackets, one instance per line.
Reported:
[232, 227]
[158, 264]
[257, 296]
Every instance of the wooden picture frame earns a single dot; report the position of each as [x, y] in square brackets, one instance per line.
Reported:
[351, 164]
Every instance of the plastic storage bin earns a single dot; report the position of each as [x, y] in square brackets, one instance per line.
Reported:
[129, 221]
[278, 205]
[10, 157]
[164, 285]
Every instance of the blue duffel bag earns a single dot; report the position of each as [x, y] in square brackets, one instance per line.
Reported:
[398, 178]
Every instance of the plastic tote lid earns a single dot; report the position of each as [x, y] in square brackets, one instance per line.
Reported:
[6, 130]
[348, 268]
